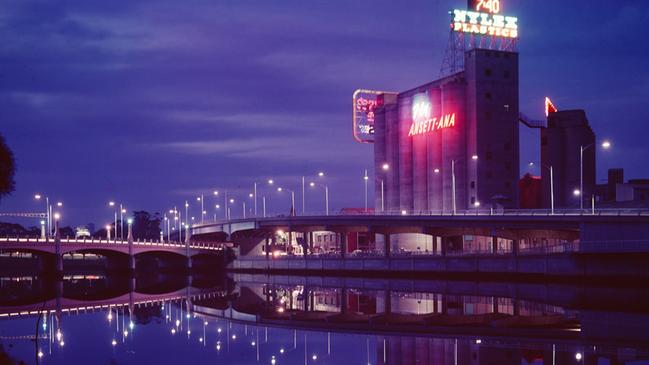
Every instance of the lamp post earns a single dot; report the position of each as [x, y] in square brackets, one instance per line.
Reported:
[122, 211]
[385, 167]
[605, 145]
[280, 189]
[365, 179]
[551, 185]
[326, 189]
[201, 199]
[112, 204]
[453, 188]
[48, 213]
[229, 213]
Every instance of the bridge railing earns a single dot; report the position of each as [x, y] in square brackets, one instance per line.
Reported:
[459, 213]
[99, 241]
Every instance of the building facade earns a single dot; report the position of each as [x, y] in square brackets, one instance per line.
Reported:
[451, 144]
[561, 142]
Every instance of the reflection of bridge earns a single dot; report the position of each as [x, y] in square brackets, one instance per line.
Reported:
[132, 299]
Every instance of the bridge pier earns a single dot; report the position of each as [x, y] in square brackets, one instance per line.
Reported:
[57, 249]
[131, 257]
[388, 244]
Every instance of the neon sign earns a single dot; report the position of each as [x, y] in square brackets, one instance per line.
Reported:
[485, 19]
[365, 102]
[422, 120]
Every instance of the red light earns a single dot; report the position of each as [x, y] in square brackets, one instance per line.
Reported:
[549, 107]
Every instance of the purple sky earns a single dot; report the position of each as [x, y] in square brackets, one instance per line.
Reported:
[153, 102]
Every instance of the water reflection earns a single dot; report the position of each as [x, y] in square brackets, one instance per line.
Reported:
[291, 320]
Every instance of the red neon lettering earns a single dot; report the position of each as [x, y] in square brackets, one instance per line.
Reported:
[433, 124]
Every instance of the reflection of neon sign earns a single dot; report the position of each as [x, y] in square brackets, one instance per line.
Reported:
[484, 19]
[422, 122]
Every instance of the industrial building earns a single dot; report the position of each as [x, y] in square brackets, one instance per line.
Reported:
[451, 144]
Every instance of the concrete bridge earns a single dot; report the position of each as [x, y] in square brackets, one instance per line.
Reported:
[130, 248]
[627, 230]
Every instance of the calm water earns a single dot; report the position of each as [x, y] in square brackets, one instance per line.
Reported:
[293, 320]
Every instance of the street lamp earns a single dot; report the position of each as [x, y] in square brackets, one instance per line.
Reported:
[201, 199]
[385, 167]
[365, 180]
[551, 185]
[326, 189]
[48, 212]
[453, 188]
[280, 189]
[605, 145]
[112, 204]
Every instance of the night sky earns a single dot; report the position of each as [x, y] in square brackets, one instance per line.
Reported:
[151, 103]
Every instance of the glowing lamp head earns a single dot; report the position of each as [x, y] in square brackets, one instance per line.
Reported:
[42, 223]
[436, 171]
[606, 145]
[129, 221]
[186, 204]
[198, 199]
[37, 196]
[321, 174]
[366, 177]
[578, 356]
[251, 195]
[404, 212]
[231, 200]
[171, 211]
[474, 157]
[123, 211]
[530, 164]
[270, 182]
[107, 227]
[476, 204]
[311, 184]
[216, 192]
[59, 204]
[112, 204]
[57, 216]
[280, 189]
[576, 192]
[218, 206]
[385, 167]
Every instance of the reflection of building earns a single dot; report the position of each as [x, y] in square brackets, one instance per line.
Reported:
[467, 122]
[566, 133]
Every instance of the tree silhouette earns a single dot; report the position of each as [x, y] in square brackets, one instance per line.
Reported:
[7, 169]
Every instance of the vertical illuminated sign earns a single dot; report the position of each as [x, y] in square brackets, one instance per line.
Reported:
[483, 18]
[364, 104]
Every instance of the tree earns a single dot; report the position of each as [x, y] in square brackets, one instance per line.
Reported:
[7, 169]
[146, 226]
